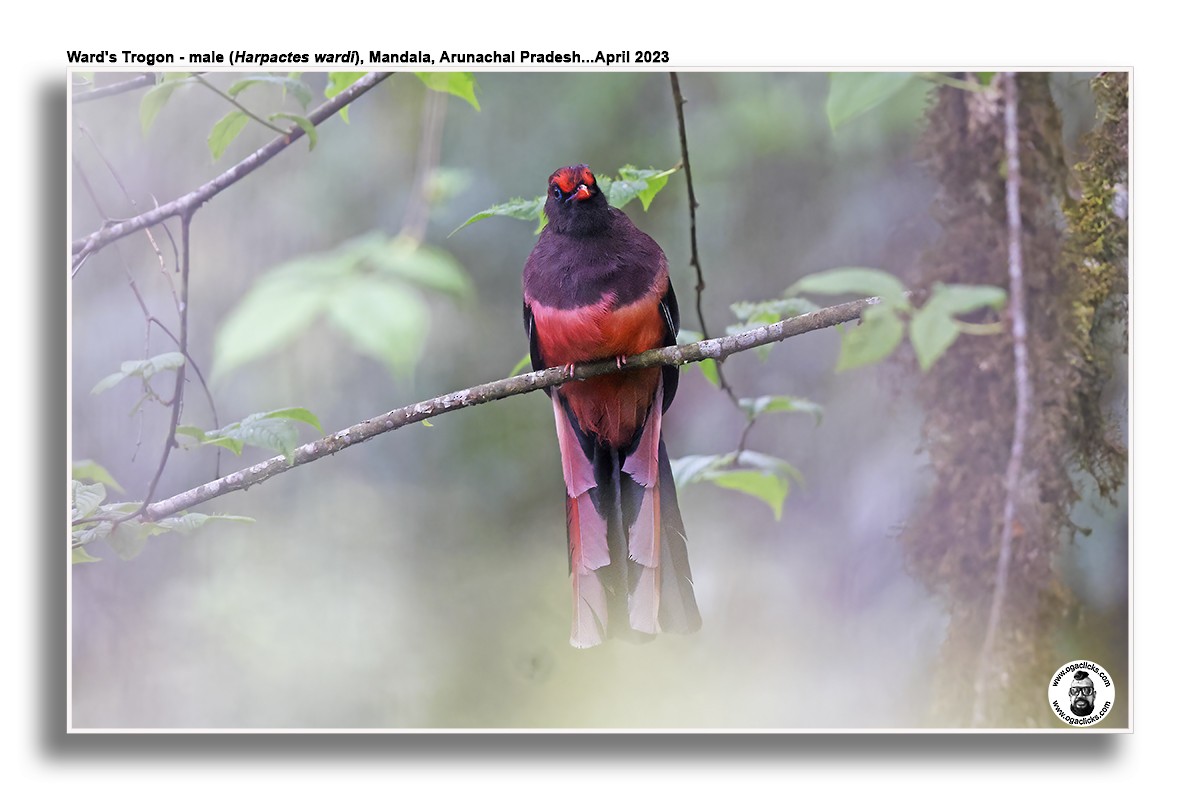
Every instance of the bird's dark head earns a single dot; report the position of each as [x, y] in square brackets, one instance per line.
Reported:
[574, 203]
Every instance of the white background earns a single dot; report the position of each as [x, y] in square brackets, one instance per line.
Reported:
[1017, 34]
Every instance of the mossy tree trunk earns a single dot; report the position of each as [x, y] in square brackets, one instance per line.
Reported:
[1075, 278]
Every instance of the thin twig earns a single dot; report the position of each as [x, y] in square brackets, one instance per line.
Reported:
[497, 390]
[130, 85]
[240, 107]
[692, 206]
[1024, 394]
[416, 213]
[185, 222]
[185, 204]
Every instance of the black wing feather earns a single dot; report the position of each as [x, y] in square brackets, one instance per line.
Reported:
[669, 309]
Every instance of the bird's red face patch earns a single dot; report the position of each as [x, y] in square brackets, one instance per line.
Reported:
[568, 179]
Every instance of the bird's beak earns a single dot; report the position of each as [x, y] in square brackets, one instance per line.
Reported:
[581, 193]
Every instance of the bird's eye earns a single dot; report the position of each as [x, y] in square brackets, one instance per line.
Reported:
[557, 193]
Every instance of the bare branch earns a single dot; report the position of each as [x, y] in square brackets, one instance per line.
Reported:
[497, 390]
[181, 373]
[114, 89]
[240, 107]
[108, 233]
[692, 206]
[1012, 476]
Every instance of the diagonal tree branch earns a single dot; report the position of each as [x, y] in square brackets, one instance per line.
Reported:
[497, 390]
[146, 79]
[111, 232]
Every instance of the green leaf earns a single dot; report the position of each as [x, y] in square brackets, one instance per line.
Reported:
[296, 413]
[128, 539]
[693, 469]
[767, 312]
[85, 498]
[309, 129]
[285, 301]
[145, 369]
[931, 334]
[862, 281]
[633, 182]
[958, 298]
[271, 430]
[156, 97]
[81, 556]
[277, 309]
[290, 84]
[852, 94]
[874, 340]
[192, 431]
[214, 438]
[522, 365]
[225, 131]
[191, 521]
[459, 84]
[771, 489]
[88, 471]
[768, 463]
[517, 208]
[708, 368]
[384, 320]
[773, 404]
[942, 79]
[425, 266]
[277, 435]
[338, 82]
[933, 328]
[985, 77]
[756, 474]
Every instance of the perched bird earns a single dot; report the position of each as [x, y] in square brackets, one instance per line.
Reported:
[597, 288]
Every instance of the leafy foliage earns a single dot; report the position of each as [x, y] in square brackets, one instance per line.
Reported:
[522, 365]
[127, 538]
[290, 83]
[367, 288]
[145, 369]
[337, 83]
[852, 94]
[631, 182]
[459, 84]
[858, 281]
[933, 327]
[708, 367]
[517, 208]
[157, 96]
[88, 471]
[765, 312]
[756, 474]
[873, 340]
[272, 430]
[775, 404]
[225, 131]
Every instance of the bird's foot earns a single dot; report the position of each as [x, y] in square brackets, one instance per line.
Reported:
[621, 361]
[569, 369]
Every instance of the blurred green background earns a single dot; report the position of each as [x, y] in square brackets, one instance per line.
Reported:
[420, 580]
